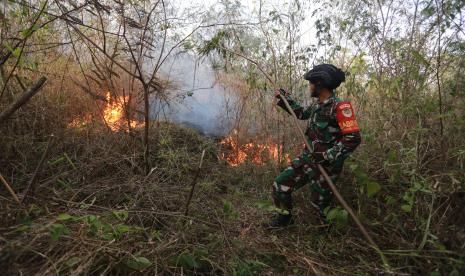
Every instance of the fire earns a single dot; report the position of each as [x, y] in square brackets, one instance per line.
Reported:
[256, 153]
[113, 114]
[80, 122]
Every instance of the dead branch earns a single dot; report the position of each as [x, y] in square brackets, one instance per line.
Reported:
[194, 181]
[22, 100]
[39, 166]
[8, 187]
[88, 91]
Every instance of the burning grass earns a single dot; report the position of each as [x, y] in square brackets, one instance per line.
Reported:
[113, 115]
[235, 153]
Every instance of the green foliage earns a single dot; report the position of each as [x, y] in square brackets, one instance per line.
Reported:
[246, 267]
[65, 184]
[228, 210]
[372, 186]
[57, 230]
[409, 195]
[96, 226]
[65, 217]
[155, 235]
[121, 215]
[192, 260]
[337, 215]
[188, 261]
[62, 160]
[25, 33]
[268, 206]
[15, 52]
[138, 263]
[216, 43]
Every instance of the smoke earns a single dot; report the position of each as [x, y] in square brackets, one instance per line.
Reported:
[197, 101]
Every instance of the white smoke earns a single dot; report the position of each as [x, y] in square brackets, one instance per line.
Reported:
[202, 103]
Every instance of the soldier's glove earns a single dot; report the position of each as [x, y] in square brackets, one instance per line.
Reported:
[282, 92]
[318, 157]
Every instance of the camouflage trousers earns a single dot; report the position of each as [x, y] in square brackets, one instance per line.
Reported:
[302, 171]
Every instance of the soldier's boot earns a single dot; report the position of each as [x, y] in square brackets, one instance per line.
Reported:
[322, 218]
[280, 220]
[321, 198]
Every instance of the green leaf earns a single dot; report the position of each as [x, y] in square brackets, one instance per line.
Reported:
[390, 200]
[188, 261]
[227, 207]
[26, 32]
[155, 235]
[342, 217]
[332, 214]
[406, 208]
[138, 263]
[15, 52]
[372, 188]
[57, 161]
[266, 205]
[122, 228]
[121, 214]
[58, 229]
[23, 228]
[65, 217]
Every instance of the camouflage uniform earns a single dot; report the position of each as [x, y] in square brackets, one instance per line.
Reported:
[333, 133]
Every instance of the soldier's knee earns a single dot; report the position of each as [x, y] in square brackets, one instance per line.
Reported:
[285, 175]
[282, 199]
[281, 188]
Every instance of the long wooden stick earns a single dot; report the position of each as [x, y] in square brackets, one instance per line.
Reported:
[194, 181]
[8, 187]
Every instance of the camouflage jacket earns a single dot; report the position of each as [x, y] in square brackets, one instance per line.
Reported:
[332, 130]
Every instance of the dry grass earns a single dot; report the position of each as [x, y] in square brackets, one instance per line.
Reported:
[115, 214]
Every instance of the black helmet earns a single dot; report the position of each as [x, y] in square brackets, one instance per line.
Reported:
[330, 75]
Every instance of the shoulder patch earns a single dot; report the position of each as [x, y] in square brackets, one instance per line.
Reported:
[345, 116]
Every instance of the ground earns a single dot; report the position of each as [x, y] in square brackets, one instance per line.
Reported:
[93, 211]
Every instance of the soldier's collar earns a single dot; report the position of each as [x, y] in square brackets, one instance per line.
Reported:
[329, 100]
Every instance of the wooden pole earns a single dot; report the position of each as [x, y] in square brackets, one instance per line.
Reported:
[194, 181]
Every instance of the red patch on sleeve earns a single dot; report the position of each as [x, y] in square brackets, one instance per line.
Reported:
[346, 118]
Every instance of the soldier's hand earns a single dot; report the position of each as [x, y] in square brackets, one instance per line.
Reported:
[318, 157]
[281, 91]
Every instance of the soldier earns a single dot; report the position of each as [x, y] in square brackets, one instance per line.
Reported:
[332, 132]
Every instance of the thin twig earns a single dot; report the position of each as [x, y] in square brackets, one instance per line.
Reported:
[194, 181]
[39, 166]
[13, 194]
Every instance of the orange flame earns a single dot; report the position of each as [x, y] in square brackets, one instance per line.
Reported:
[113, 114]
[257, 153]
[80, 122]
